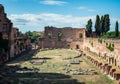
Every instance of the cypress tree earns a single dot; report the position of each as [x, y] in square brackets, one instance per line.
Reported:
[102, 25]
[116, 29]
[89, 27]
[106, 23]
[97, 25]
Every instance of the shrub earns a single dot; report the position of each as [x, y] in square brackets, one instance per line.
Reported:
[110, 47]
[100, 40]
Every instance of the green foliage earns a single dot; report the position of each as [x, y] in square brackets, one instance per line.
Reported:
[116, 29]
[110, 35]
[113, 45]
[97, 25]
[89, 27]
[100, 40]
[33, 35]
[106, 44]
[102, 25]
[81, 36]
[49, 35]
[59, 36]
[106, 23]
[110, 47]
[91, 42]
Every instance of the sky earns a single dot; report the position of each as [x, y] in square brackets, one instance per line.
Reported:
[34, 15]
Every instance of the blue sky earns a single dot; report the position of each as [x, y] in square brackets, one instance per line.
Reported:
[35, 14]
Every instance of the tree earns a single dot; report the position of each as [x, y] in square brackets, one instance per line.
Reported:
[89, 27]
[106, 23]
[116, 29]
[29, 33]
[102, 25]
[97, 25]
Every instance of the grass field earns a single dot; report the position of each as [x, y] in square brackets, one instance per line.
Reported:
[52, 70]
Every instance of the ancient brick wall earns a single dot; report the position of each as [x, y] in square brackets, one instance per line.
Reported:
[112, 57]
[6, 31]
[69, 35]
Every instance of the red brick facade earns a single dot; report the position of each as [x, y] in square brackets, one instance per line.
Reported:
[70, 37]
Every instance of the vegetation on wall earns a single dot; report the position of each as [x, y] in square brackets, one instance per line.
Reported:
[100, 40]
[59, 36]
[110, 46]
[81, 36]
[91, 42]
[49, 35]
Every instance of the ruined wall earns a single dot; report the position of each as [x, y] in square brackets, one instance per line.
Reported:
[69, 36]
[6, 31]
[112, 57]
[12, 36]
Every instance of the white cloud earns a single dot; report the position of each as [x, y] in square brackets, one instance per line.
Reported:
[91, 10]
[53, 2]
[82, 8]
[38, 21]
[86, 9]
[112, 22]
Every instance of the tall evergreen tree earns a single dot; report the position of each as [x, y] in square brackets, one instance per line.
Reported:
[116, 29]
[89, 27]
[106, 23]
[97, 25]
[102, 25]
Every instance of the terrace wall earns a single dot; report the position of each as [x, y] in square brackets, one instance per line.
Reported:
[112, 57]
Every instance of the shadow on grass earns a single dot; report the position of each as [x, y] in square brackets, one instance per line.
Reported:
[17, 75]
[44, 58]
[23, 57]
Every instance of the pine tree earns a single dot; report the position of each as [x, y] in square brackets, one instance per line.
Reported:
[116, 29]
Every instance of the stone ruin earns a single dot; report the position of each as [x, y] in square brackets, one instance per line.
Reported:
[62, 37]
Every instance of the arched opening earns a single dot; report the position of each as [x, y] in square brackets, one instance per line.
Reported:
[68, 45]
[77, 47]
[50, 35]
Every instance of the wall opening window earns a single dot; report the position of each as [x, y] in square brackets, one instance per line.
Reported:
[77, 47]
[59, 35]
[80, 35]
[50, 35]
